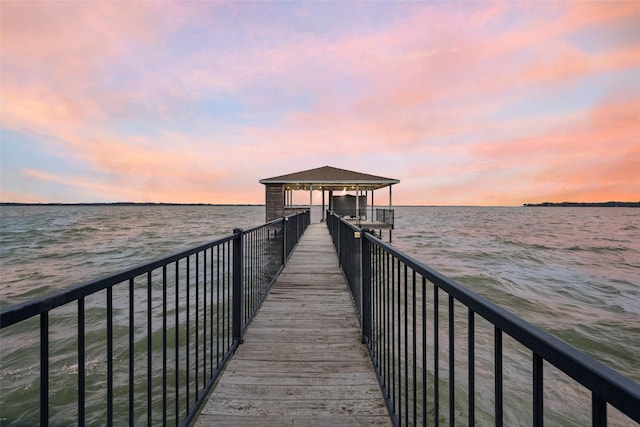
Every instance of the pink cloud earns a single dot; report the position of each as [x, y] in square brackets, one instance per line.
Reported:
[420, 97]
[592, 157]
[151, 190]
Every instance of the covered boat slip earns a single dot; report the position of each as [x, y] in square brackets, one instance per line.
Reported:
[302, 361]
[327, 179]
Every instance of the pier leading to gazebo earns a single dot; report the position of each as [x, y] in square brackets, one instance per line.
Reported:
[358, 207]
[263, 318]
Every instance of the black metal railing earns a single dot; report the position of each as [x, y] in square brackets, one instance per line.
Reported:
[294, 226]
[444, 355]
[386, 216]
[346, 240]
[145, 345]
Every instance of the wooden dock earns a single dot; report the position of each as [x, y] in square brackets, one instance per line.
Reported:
[302, 362]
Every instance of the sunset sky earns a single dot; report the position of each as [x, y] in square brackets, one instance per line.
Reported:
[466, 103]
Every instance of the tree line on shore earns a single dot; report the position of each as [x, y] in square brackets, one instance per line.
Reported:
[587, 204]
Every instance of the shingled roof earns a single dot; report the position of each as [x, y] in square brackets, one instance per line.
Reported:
[329, 178]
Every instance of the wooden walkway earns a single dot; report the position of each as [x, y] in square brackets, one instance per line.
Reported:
[302, 362]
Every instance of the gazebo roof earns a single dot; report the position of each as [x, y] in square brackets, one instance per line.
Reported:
[330, 178]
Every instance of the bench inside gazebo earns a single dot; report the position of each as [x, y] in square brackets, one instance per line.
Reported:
[329, 180]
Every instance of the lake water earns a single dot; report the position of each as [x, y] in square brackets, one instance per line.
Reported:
[574, 272]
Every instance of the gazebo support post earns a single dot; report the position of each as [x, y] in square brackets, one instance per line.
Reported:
[358, 204]
[331, 200]
[372, 208]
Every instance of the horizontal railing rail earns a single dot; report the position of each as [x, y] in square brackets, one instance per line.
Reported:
[422, 329]
[147, 344]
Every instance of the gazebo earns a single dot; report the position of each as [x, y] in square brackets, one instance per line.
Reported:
[279, 193]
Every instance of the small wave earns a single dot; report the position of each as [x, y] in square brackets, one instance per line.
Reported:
[49, 241]
[81, 232]
[597, 249]
[526, 245]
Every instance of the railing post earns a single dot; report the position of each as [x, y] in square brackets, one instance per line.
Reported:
[365, 264]
[284, 239]
[237, 284]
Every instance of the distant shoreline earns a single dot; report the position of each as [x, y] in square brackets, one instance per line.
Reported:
[586, 204]
[544, 204]
[126, 204]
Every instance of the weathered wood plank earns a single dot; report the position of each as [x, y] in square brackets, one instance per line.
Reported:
[296, 333]
[302, 361]
[300, 406]
[290, 352]
[288, 421]
[287, 392]
[354, 371]
[303, 378]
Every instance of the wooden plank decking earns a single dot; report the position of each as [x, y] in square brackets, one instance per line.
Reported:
[302, 361]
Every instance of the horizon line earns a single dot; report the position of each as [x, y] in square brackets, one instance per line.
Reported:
[541, 204]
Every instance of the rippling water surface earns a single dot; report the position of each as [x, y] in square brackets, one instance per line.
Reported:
[50, 247]
[572, 271]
